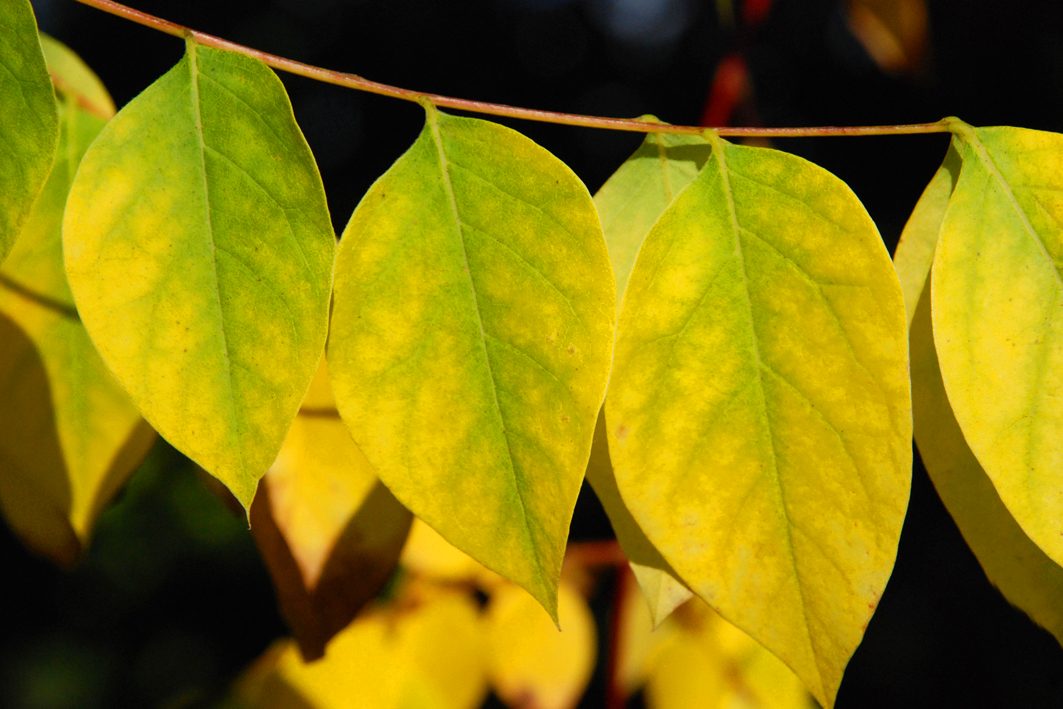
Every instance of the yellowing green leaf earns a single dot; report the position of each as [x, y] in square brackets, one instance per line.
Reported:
[471, 339]
[74, 79]
[759, 413]
[636, 194]
[329, 531]
[915, 250]
[998, 317]
[660, 587]
[1013, 563]
[29, 122]
[532, 663]
[199, 249]
[428, 655]
[69, 436]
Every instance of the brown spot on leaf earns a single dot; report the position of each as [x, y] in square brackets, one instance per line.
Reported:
[622, 431]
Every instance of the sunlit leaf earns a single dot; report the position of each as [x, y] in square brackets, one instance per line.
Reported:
[707, 663]
[1013, 563]
[471, 340]
[29, 122]
[532, 663]
[915, 250]
[69, 436]
[329, 531]
[759, 413]
[199, 249]
[636, 194]
[660, 587]
[426, 654]
[998, 317]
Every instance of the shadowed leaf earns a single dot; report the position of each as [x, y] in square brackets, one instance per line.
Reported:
[69, 436]
[329, 531]
[997, 285]
[199, 250]
[629, 203]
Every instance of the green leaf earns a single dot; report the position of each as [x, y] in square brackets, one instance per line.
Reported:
[915, 250]
[29, 119]
[759, 412]
[1013, 563]
[199, 249]
[69, 436]
[629, 203]
[329, 531]
[663, 591]
[471, 339]
[636, 194]
[998, 317]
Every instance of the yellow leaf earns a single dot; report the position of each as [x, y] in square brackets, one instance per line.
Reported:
[533, 664]
[1026, 576]
[997, 305]
[471, 338]
[329, 531]
[69, 436]
[73, 78]
[428, 655]
[199, 249]
[759, 412]
[1013, 563]
[707, 663]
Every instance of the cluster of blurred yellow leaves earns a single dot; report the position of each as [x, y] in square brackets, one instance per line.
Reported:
[432, 645]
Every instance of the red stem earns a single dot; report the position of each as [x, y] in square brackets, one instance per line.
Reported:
[354, 81]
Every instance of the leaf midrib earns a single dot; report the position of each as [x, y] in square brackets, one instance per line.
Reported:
[718, 151]
[194, 72]
[433, 122]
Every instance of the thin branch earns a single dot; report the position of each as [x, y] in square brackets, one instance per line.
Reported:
[638, 125]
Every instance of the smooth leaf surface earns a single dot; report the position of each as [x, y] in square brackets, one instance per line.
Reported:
[997, 307]
[471, 339]
[29, 119]
[660, 587]
[429, 655]
[69, 436]
[759, 412]
[915, 250]
[199, 250]
[532, 664]
[1026, 576]
[635, 195]
[329, 531]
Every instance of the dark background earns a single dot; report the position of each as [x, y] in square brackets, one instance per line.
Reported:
[172, 600]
